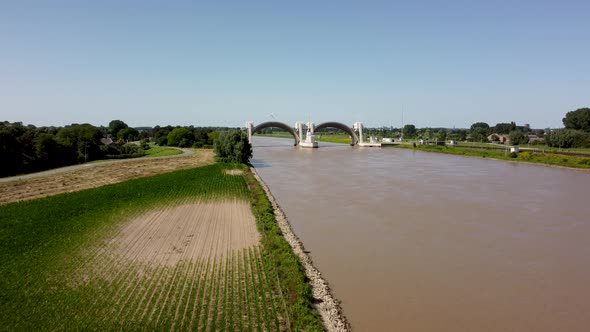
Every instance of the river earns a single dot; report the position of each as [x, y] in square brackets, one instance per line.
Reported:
[416, 241]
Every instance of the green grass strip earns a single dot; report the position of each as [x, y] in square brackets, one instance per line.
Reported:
[232, 315]
[161, 151]
[241, 303]
[216, 295]
[254, 280]
[247, 290]
[266, 292]
[225, 309]
[523, 156]
[210, 288]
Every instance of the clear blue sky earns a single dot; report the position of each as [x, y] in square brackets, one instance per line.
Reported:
[450, 63]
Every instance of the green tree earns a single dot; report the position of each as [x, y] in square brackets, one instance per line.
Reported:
[232, 146]
[178, 134]
[84, 139]
[461, 134]
[442, 135]
[517, 137]
[409, 131]
[10, 149]
[504, 128]
[479, 132]
[578, 119]
[128, 134]
[144, 135]
[50, 153]
[115, 126]
[567, 138]
[481, 125]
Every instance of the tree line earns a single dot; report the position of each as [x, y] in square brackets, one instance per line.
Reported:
[27, 148]
[575, 134]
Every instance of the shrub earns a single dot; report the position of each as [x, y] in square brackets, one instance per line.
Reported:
[567, 138]
[517, 137]
[176, 136]
[144, 143]
[131, 148]
[162, 141]
[233, 147]
[184, 143]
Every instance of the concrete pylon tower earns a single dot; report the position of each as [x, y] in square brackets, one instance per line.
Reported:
[299, 128]
[358, 126]
[250, 128]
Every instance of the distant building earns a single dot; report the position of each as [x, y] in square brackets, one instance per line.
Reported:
[535, 138]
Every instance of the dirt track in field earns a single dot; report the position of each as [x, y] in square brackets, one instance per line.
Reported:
[98, 175]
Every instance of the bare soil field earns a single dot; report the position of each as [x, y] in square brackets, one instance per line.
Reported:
[195, 266]
[98, 175]
[188, 232]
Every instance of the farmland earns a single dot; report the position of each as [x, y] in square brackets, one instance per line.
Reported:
[194, 249]
[98, 175]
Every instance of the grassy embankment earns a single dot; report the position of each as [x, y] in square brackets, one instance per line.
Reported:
[333, 138]
[320, 137]
[523, 156]
[161, 151]
[48, 280]
[544, 148]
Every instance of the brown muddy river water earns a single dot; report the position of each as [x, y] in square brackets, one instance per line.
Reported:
[414, 241]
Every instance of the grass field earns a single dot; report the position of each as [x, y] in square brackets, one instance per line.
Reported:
[333, 138]
[102, 259]
[161, 151]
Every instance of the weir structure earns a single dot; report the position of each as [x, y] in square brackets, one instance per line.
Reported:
[309, 140]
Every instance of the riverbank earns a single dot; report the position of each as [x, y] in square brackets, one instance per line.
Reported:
[548, 159]
[328, 307]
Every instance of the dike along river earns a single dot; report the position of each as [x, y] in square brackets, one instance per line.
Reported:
[415, 241]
